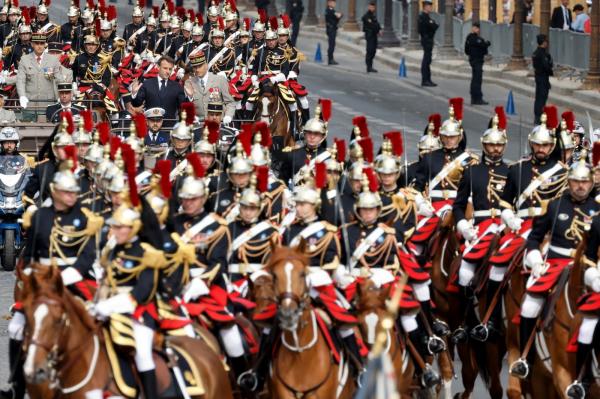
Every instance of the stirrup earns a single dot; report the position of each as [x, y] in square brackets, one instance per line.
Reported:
[575, 391]
[248, 380]
[361, 376]
[459, 335]
[435, 345]
[520, 369]
[480, 332]
[440, 328]
[429, 377]
[8, 393]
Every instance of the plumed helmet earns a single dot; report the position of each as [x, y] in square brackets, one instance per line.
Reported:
[65, 180]
[193, 187]
[580, 171]
[73, 12]
[137, 12]
[308, 194]
[213, 11]
[118, 183]
[188, 25]
[151, 20]
[42, 9]
[496, 134]
[126, 215]
[181, 131]
[94, 153]
[197, 31]
[387, 164]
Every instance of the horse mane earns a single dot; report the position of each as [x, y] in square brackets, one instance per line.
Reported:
[282, 254]
[79, 309]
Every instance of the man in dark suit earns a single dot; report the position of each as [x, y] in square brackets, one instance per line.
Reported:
[542, 65]
[332, 19]
[160, 92]
[427, 27]
[295, 9]
[561, 16]
[65, 96]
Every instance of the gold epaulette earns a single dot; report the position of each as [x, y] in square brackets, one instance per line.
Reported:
[219, 219]
[387, 229]
[94, 222]
[27, 216]
[153, 257]
[30, 161]
[587, 261]
[329, 227]
[186, 253]
[505, 204]
[287, 149]
[6, 51]
[301, 56]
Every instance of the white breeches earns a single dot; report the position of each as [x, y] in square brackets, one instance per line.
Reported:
[421, 291]
[466, 272]
[409, 322]
[143, 347]
[232, 341]
[497, 273]
[16, 326]
[532, 306]
[586, 330]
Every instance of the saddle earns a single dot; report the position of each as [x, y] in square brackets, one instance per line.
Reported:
[120, 345]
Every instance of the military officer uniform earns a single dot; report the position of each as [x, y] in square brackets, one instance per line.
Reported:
[89, 68]
[130, 29]
[226, 62]
[295, 159]
[16, 52]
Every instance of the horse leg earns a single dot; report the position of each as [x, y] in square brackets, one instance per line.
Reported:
[494, 354]
[469, 368]
[445, 364]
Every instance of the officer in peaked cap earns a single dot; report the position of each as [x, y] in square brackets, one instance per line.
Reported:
[156, 135]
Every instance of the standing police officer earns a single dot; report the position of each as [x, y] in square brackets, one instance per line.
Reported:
[427, 28]
[371, 28]
[332, 18]
[542, 64]
[295, 9]
[476, 48]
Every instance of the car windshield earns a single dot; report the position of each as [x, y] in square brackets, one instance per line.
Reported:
[12, 164]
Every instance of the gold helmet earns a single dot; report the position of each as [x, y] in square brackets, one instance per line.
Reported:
[271, 29]
[137, 12]
[183, 129]
[187, 26]
[240, 164]
[197, 30]
[118, 183]
[369, 197]
[73, 11]
[219, 29]
[308, 194]
[164, 16]
[174, 22]
[193, 185]
[160, 190]
[284, 26]
[252, 196]
[335, 163]
[259, 153]
[544, 132]
[94, 153]
[453, 125]
[126, 215]
[64, 136]
[65, 179]
[387, 164]
[581, 171]
[210, 136]
[213, 11]
[42, 9]
[151, 21]
[496, 134]
[318, 123]
[245, 28]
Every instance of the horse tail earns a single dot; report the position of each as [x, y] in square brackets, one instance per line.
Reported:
[481, 358]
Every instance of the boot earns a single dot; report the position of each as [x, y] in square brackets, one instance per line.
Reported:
[520, 368]
[16, 390]
[261, 367]
[245, 376]
[438, 327]
[460, 334]
[305, 113]
[429, 377]
[148, 379]
[494, 325]
[577, 389]
[352, 348]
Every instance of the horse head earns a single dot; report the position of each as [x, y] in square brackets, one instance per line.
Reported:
[48, 308]
[371, 306]
[289, 269]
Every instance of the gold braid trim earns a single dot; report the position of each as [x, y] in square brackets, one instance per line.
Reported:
[94, 222]
[381, 253]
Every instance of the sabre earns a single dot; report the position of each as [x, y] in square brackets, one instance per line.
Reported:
[135, 34]
[591, 128]
[177, 372]
[223, 50]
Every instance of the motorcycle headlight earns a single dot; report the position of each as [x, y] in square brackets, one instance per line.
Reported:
[10, 203]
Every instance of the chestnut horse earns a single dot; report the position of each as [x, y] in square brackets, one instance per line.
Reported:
[66, 347]
[371, 308]
[274, 111]
[302, 364]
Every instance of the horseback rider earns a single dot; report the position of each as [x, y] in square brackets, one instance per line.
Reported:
[137, 22]
[88, 67]
[224, 57]
[567, 218]
[428, 142]
[483, 184]
[181, 140]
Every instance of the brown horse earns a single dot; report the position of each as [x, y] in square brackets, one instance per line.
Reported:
[302, 364]
[67, 348]
[272, 109]
[371, 308]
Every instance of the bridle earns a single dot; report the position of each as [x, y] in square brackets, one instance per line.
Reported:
[55, 355]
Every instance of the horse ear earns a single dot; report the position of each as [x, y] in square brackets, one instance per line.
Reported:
[56, 279]
[301, 248]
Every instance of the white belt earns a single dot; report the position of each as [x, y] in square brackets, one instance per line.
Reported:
[487, 213]
[442, 194]
[196, 272]
[58, 261]
[124, 290]
[244, 268]
[529, 212]
[568, 252]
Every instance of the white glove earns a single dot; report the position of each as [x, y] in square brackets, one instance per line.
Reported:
[196, 288]
[254, 80]
[591, 278]
[280, 77]
[180, 73]
[226, 120]
[342, 278]
[70, 275]
[23, 101]
[535, 262]
[292, 75]
[75, 87]
[511, 220]
[120, 303]
[425, 209]
[2, 79]
[466, 229]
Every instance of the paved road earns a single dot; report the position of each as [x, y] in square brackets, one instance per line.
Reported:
[388, 102]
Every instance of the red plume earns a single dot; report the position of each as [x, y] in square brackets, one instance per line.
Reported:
[26, 16]
[396, 139]
[273, 22]
[103, 129]
[190, 112]
[285, 20]
[200, 18]
[361, 123]
[15, 3]
[437, 123]
[247, 24]
[32, 12]
[262, 15]
[130, 167]
[69, 117]
[47, 3]
[115, 144]
[569, 117]
[265, 134]
[71, 153]
[367, 146]
[90, 4]
[457, 104]
[102, 4]
[155, 11]
[141, 127]
[325, 109]
[163, 168]
[194, 159]
[180, 11]
[501, 117]
[97, 27]
[142, 3]
[552, 116]
[373, 182]
[245, 138]
[88, 122]
[320, 174]
[262, 178]
[232, 6]
[221, 23]
[596, 154]
[213, 131]
[111, 13]
[171, 7]
[340, 146]
[191, 15]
